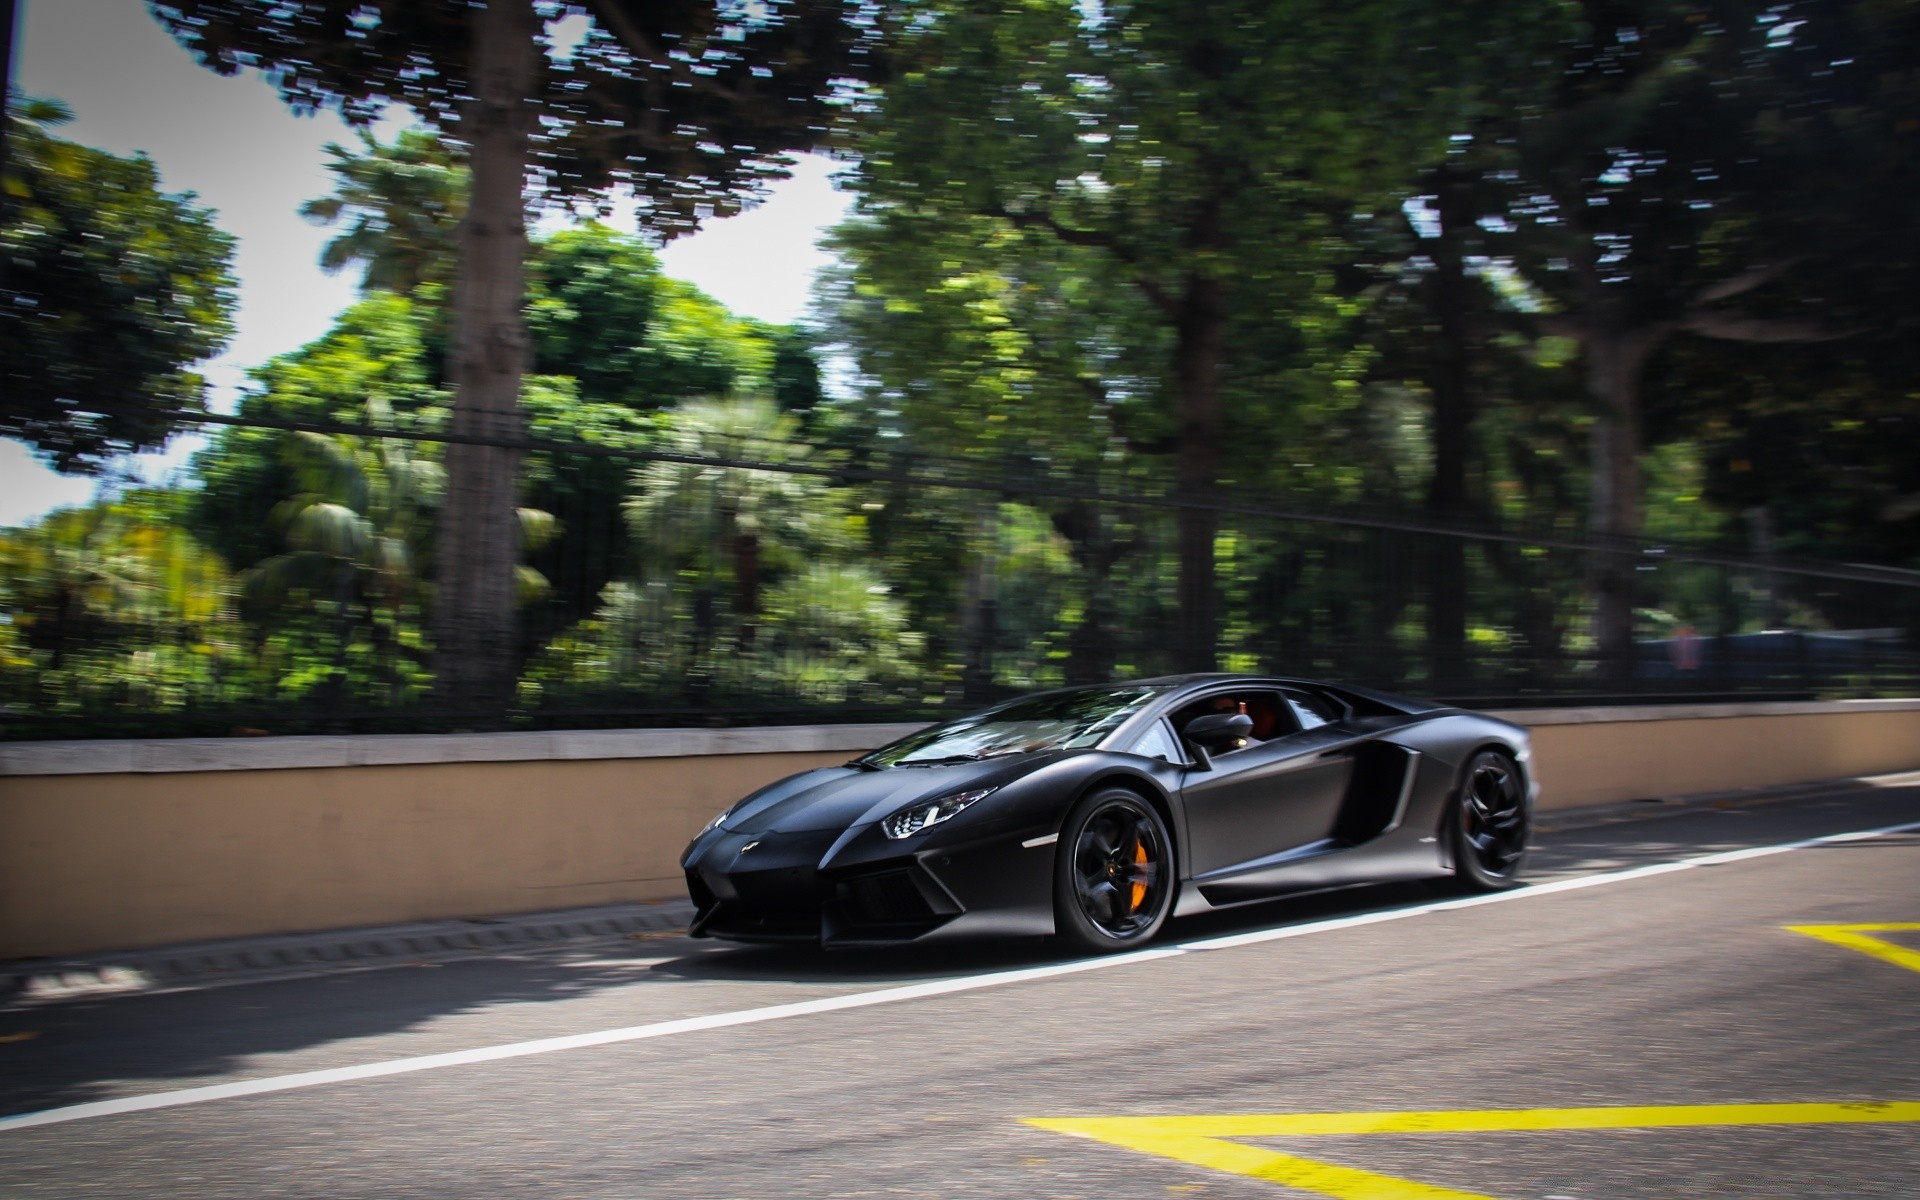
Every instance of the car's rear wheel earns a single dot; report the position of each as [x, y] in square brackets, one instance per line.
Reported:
[1113, 872]
[1491, 822]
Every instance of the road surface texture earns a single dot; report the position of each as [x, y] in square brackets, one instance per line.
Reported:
[1713, 1001]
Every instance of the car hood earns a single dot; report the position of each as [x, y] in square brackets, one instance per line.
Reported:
[842, 797]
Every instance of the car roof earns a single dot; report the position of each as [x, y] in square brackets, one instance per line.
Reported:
[1175, 685]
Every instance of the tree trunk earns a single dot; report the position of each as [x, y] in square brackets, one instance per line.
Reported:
[1199, 348]
[479, 534]
[8, 22]
[1614, 361]
[746, 585]
[1093, 649]
[980, 614]
[1448, 382]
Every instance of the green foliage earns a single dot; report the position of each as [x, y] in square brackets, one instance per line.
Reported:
[600, 310]
[622, 342]
[731, 527]
[830, 634]
[745, 588]
[401, 205]
[377, 354]
[988, 342]
[112, 289]
[1198, 150]
[357, 525]
[114, 606]
[1336, 259]
[692, 107]
[1825, 439]
[357, 533]
[689, 107]
[378, 351]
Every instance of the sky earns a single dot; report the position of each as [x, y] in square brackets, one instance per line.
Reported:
[238, 148]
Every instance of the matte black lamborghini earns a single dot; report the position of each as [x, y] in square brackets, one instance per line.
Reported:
[1095, 813]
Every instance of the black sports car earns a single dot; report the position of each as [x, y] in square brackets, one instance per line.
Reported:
[1095, 813]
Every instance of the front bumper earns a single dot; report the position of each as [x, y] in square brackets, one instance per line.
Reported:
[798, 888]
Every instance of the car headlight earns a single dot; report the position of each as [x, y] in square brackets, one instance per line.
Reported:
[714, 824]
[927, 813]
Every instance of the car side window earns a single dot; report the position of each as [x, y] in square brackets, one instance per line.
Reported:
[1313, 711]
[1272, 718]
[1156, 742]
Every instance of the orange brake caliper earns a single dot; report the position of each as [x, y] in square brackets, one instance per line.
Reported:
[1139, 884]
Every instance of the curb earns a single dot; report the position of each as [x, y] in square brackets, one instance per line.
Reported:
[1590, 815]
[25, 983]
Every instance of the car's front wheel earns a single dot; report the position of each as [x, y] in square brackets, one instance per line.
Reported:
[1491, 822]
[1113, 872]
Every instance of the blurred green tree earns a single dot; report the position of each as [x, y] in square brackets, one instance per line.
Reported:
[114, 606]
[109, 290]
[717, 526]
[1201, 148]
[987, 349]
[689, 106]
[356, 533]
[401, 204]
[1705, 170]
[617, 342]
[600, 309]
[378, 352]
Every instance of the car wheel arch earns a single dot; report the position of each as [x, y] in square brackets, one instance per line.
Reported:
[1457, 768]
[1147, 789]
[1100, 795]
[1506, 750]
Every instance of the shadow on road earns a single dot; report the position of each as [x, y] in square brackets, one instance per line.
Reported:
[905, 964]
[91, 1049]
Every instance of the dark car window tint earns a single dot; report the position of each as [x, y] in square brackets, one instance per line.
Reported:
[1062, 720]
[1313, 711]
[1158, 743]
[1272, 717]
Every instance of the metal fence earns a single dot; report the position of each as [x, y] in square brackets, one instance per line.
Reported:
[738, 582]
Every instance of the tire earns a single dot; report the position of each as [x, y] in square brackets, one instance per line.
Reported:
[1489, 823]
[1113, 873]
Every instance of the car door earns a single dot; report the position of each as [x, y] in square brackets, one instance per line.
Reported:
[1269, 800]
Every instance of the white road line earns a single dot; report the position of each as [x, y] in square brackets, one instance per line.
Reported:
[915, 991]
[1542, 889]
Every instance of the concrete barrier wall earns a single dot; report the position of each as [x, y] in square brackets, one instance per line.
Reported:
[116, 845]
[1601, 756]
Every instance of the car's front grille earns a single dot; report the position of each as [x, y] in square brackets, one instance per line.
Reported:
[780, 903]
[889, 905]
[698, 892]
[889, 898]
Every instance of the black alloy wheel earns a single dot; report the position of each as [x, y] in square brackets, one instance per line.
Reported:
[1491, 823]
[1113, 872]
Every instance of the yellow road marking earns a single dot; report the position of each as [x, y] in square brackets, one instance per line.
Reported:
[1854, 937]
[1203, 1140]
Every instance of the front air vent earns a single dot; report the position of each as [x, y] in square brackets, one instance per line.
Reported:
[889, 898]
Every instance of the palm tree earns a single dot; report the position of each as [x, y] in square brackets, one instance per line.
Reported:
[357, 534]
[402, 204]
[837, 633]
[719, 523]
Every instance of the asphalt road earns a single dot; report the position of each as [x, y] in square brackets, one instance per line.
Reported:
[1618, 1029]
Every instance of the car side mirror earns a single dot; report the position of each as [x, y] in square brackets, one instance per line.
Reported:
[1219, 729]
[1216, 731]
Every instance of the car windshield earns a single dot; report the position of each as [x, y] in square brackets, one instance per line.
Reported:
[1053, 721]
